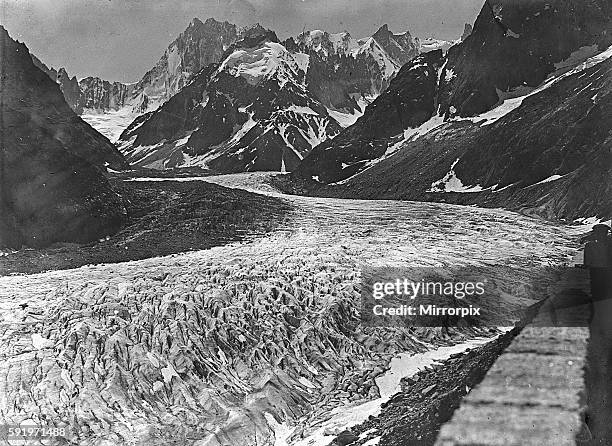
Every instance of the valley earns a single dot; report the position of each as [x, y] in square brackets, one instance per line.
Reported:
[127, 346]
[186, 259]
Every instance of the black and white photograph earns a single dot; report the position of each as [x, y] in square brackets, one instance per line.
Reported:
[306, 222]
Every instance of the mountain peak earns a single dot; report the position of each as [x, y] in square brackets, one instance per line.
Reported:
[384, 31]
[399, 46]
[252, 29]
[255, 34]
[209, 22]
[213, 21]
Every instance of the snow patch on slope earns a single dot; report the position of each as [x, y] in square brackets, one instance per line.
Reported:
[550, 178]
[317, 133]
[451, 183]
[345, 119]
[302, 110]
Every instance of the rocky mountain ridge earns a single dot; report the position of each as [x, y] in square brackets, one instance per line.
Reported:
[343, 73]
[90, 93]
[68, 85]
[343, 69]
[473, 87]
[200, 44]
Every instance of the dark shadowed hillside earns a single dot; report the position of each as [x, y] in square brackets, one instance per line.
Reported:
[533, 79]
[517, 43]
[52, 186]
[408, 102]
[551, 156]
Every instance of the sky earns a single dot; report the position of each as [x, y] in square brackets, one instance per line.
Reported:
[120, 40]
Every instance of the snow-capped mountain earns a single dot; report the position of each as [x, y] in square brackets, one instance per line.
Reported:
[325, 43]
[253, 111]
[477, 114]
[344, 71]
[386, 48]
[428, 44]
[51, 179]
[408, 102]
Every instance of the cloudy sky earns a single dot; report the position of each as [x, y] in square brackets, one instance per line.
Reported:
[121, 39]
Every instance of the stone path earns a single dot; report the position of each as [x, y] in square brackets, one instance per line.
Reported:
[535, 393]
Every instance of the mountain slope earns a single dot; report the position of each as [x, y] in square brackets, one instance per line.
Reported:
[497, 68]
[408, 102]
[551, 155]
[69, 85]
[251, 112]
[51, 183]
[517, 44]
[491, 65]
